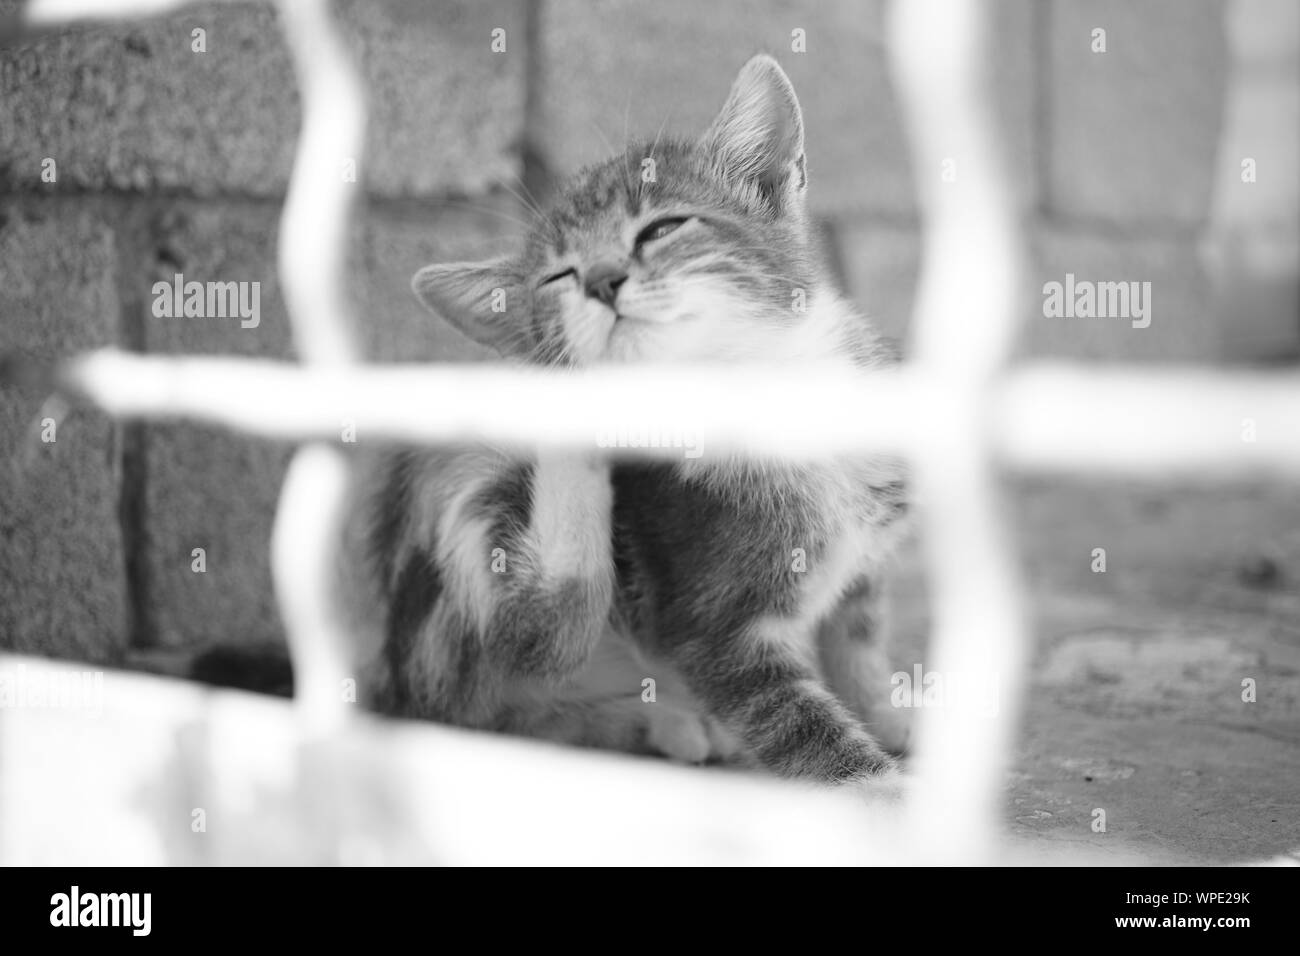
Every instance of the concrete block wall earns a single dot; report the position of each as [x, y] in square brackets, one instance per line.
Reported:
[62, 560]
[174, 160]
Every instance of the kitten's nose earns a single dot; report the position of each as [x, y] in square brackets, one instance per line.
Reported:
[602, 280]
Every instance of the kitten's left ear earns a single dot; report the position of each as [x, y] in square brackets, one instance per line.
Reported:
[758, 136]
[486, 301]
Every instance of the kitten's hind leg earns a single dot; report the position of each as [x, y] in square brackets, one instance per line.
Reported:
[624, 724]
[531, 558]
[626, 700]
[493, 570]
[853, 654]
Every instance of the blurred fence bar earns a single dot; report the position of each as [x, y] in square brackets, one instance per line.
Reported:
[312, 257]
[965, 329]
[1043, 415]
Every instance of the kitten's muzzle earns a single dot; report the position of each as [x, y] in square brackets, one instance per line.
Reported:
[602, 281]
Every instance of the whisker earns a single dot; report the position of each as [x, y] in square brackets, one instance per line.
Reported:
[523, 200]
[627, 144]
[481, 208]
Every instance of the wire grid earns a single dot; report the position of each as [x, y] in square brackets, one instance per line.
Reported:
[967, 411]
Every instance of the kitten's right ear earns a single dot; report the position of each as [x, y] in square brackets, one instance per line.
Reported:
[758, 136]
[483, 300]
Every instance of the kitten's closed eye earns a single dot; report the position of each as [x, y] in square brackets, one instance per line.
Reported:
[660, 228]
[558, 276]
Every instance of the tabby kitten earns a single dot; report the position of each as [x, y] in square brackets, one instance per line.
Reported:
[536, 595]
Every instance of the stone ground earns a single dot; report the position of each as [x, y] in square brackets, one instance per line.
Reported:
[1136, 701]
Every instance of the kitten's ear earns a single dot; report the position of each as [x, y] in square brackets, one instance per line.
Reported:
[484, 300]
[758, 136]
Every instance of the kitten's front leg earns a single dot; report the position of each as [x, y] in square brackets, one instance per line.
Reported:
[756, 681]
[553, 605]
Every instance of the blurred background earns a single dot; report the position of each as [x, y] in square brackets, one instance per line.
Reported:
[1163, 149]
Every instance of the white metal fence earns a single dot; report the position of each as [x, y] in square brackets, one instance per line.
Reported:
[958, 409]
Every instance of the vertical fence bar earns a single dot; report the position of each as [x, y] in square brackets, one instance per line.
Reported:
[964, 331]
[313, 246]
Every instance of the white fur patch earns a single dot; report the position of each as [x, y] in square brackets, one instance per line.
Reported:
[464, 539]
[587, 327]
[573, 503]
[465, 553]
[693, 319]
[858, 548]
[790, 638]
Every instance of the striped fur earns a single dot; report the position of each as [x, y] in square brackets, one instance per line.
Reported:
[537, 594]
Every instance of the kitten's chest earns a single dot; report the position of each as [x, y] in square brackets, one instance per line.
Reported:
[841, 558]
[852, 527]
[782, 547]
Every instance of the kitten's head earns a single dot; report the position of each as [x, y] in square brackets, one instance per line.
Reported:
[675, 250]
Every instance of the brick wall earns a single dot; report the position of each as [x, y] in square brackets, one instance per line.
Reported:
[170, 160]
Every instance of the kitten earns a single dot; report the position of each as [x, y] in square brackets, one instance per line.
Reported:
[536, 596]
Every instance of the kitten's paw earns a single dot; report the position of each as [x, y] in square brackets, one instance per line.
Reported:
[888, 787]
[893, 727]
[724, 746]
[680, 735]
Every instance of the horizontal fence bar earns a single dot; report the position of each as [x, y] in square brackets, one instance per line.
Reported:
[1089, 419]
[44, 13]
[153, 750]
[1149, 421]
[407, 792]
[781, 409]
